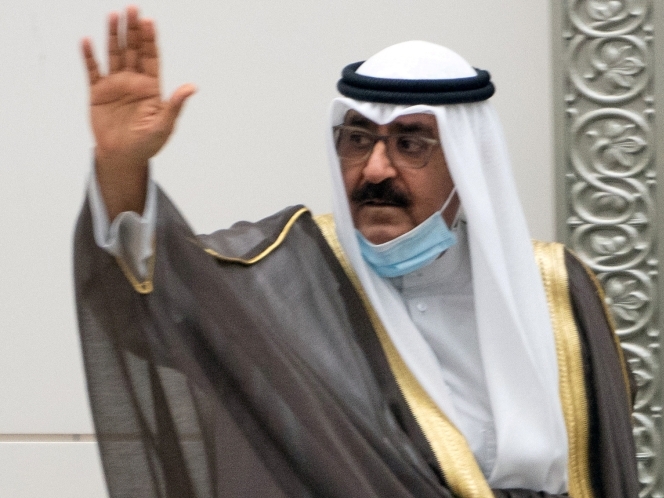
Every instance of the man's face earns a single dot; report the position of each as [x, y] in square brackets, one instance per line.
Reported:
[387, 201]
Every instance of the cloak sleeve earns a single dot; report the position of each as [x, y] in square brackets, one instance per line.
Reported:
[229, 379]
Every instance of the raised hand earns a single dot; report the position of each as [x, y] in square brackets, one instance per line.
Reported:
[130, 121]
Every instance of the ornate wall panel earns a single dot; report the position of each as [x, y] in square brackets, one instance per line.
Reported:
[605, 89]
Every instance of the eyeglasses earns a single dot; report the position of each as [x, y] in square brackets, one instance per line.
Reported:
[405, 150]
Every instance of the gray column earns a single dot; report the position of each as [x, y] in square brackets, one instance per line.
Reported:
[608, 87]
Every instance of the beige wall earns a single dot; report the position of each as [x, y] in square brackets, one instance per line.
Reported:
[249, 143]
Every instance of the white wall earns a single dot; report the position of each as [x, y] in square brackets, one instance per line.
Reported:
[249, 143]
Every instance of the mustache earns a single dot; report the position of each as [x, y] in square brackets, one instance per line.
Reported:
[384, 192]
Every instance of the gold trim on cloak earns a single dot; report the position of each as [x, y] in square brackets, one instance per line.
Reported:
[146, 286]
[612, 326]
[268, 250]
[550, 259]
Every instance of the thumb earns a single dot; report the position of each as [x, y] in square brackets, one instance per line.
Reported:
[177, 100]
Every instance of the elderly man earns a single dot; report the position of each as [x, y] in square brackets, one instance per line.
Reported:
[412, 345]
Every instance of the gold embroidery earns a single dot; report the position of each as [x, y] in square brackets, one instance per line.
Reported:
[551, 261]
[268, 250]
[454, 456]
[146, 286]
[612, 325]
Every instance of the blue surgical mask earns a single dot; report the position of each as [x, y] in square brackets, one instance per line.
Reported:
[412, 250]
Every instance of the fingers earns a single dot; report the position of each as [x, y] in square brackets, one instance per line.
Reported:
[124, 41]
[148, 54]
[90, 62]
[177, 100]
[115, 51]
[134, 39]
[132, 45]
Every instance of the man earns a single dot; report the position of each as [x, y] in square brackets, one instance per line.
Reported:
[400, 348]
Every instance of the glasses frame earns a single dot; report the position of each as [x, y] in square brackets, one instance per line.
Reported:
[432, 142]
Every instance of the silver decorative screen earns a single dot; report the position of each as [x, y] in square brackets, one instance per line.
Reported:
[606, 82]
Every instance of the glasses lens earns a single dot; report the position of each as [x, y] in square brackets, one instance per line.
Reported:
[410, 151]
[410, 146]
[353, 144]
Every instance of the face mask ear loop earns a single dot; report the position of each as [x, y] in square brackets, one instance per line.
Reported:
[455, 221]
[457, 218]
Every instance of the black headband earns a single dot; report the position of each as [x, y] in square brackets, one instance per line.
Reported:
[412, 92]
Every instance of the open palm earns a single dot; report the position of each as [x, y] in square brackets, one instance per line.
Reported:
[130, 121]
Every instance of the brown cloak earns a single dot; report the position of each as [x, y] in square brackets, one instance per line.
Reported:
[259, 373]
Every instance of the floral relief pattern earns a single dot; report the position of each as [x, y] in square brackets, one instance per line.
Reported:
[619, 64]
[616, 144]
[611, 190]
[608, 12]
[608, 247]
[629, 296]
[598, 17]
[610, 70]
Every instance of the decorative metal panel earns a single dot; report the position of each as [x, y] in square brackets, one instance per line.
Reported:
[607, 202]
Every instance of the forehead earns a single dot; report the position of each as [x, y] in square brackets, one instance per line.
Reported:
[410, 122]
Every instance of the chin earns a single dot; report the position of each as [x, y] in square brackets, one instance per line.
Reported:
[379, 234]
[381, 224]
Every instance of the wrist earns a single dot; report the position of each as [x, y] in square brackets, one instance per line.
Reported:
[112, 162]
[122, 183]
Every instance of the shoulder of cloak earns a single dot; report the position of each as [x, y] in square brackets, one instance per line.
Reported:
[588, 297]
[246, 242]
[589, 304]
[609, 386]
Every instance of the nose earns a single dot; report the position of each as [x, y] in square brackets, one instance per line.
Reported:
[379, 167]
